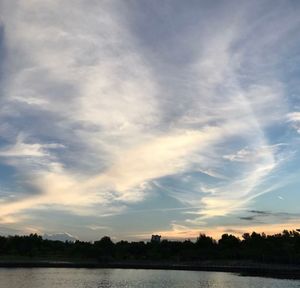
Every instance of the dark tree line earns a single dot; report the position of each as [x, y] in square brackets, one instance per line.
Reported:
[281, 248]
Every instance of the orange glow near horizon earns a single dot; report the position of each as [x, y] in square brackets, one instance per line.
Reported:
[217, 232]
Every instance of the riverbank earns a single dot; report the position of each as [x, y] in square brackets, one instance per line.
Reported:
[246, 269]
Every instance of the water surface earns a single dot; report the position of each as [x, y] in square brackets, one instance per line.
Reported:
[121, 278]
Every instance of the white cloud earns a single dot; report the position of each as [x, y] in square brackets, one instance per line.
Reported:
[98, 227]
[22, 149]
[294, 119]
[123, 181]
[294, 116]
[252, 155]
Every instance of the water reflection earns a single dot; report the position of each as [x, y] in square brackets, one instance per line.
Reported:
[117, 278]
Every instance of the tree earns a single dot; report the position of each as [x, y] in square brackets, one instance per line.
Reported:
[105, 248]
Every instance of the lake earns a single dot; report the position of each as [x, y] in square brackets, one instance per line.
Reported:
[130, 278]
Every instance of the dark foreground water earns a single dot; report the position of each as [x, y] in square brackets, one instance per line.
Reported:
[116, 278]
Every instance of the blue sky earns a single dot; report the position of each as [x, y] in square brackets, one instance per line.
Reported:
[127, 118]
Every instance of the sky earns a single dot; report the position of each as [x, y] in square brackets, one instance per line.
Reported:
[132, 118]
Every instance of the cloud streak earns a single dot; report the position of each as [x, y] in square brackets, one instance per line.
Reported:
[294, 119]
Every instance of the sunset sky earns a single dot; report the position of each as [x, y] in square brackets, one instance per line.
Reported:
[128, 118]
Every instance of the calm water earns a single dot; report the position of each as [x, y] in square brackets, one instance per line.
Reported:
[115, 278]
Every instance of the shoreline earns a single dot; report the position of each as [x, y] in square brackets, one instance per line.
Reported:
[254, 269]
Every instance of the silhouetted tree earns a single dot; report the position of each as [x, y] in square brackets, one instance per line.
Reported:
[105, 248]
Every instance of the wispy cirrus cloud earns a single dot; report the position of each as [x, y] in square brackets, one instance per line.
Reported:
[248, 155]
[110, 114]
[294, 119]
[23, 149]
